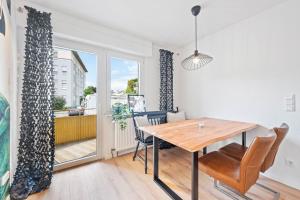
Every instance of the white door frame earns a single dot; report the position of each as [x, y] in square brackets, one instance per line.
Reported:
[101, 86]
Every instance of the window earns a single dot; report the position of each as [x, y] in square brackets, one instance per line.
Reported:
[55, 83]
[71, 104]
[55, 54]
[124, 79]
[64, 68]
[63, 86]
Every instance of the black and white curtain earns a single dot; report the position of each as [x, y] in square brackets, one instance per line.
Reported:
[36, 144]
[166, 80]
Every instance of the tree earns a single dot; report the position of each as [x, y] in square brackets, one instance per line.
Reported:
[89, 90]
[59, 103]
[132, 86]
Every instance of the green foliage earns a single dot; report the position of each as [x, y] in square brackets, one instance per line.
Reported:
[4, 143]
[120, 113]
[132, 86]
[59, 103]
[89, 90]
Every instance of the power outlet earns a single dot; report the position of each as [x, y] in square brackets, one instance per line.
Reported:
[113, 152]
[290, 103]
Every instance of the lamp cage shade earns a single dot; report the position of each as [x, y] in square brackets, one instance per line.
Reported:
[196, 61]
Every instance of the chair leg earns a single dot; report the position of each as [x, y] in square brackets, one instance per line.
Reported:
[229, 194]
[136, 150]
[146, 160]
[276, 194]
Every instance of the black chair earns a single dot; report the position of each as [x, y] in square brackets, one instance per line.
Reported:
[154, 118]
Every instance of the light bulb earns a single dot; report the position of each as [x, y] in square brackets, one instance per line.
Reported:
[196, 60]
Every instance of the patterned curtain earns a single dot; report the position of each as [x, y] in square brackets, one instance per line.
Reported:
[166, 80]
[36, 145]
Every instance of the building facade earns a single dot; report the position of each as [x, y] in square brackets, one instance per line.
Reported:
[69, 76]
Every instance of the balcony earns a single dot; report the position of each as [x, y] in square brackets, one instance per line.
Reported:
[75, 136]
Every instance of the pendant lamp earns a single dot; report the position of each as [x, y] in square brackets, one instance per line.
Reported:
[197, 59]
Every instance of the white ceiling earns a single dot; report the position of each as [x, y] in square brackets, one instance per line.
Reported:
[165, 22]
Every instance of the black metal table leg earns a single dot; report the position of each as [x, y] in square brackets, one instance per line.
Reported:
[146, 159]
[204, 150]
[166, 188]
[156, 179]
[155, 157]
[195, 176]
[244, 139]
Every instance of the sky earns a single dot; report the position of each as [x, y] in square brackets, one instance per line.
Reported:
[90, 62]
[121, 71]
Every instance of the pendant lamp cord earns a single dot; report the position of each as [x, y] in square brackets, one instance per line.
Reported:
[196, 33]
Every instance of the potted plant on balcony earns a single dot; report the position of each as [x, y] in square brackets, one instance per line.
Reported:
[120, 113]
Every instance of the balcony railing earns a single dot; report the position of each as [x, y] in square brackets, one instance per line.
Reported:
[75, 128]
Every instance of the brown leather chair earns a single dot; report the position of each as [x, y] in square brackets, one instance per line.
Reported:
[239, 175]
[237, 152]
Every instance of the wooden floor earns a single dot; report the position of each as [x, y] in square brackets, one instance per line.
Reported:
[74, 150]
[121, 178]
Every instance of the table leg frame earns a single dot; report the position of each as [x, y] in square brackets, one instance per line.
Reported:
[167, 189]
[244, 139]
[204, 151]
[195, 175]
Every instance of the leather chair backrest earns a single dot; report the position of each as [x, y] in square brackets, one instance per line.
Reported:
[269, 160]
[253, 159]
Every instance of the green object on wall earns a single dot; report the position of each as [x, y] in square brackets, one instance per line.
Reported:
[4, 146]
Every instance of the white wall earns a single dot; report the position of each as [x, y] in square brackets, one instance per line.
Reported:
[6, 53]
[256, 64]
[68, 27]
[8, 70]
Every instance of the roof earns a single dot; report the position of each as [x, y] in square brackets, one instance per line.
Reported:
[79, 60]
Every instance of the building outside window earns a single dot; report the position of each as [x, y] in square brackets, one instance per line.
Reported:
[69, 63]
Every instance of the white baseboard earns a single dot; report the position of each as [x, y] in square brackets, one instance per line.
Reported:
[120, 153]
[126, 151]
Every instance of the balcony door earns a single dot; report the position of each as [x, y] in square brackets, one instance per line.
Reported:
[76, 100]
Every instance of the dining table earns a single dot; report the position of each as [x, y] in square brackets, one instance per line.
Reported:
[193, 135]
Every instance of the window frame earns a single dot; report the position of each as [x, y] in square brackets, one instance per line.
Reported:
[113, 54]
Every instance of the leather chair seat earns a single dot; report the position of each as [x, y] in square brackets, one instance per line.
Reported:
[221, 167]
[234, 150]
[238, 174]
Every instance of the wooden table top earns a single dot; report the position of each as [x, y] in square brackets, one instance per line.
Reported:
[188, 135]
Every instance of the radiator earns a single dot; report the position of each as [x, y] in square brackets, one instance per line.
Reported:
[124, 139]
